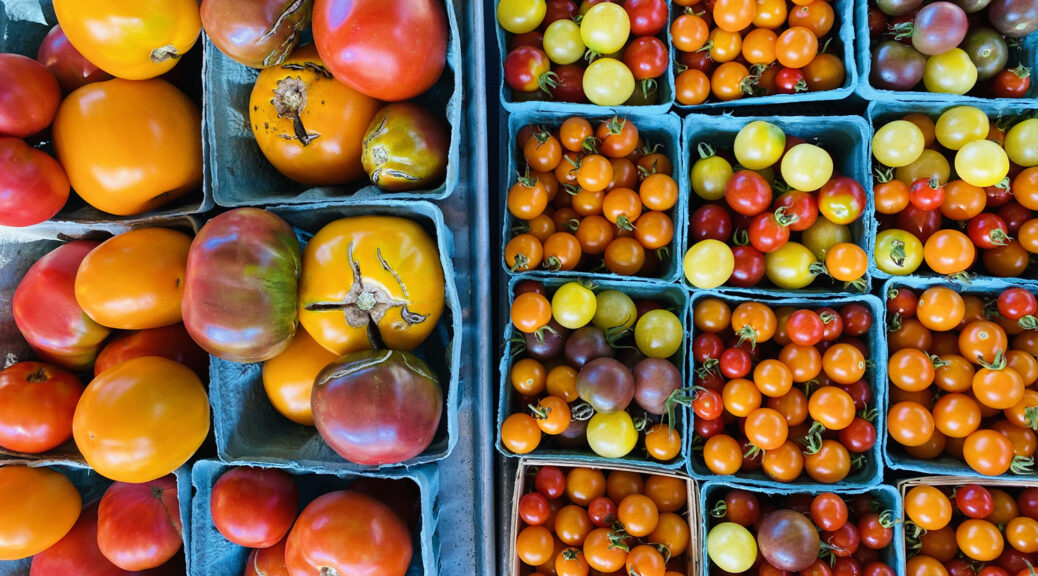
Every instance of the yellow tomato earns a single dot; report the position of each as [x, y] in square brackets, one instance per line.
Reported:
[141, 419]
[289, 377]
[135, 280]
[38, 506]
[708, 264]
[131, 39]
[129, 147]
[381, 272]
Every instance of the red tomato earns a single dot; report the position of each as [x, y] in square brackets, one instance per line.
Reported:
[988, 231]
[569, 85]
[138, 525]
[37, 403]
[926, 194]
[749, 266]
[388, 49]
[790, 81]
[71, 68]
[526, 68]
[29, 96]
[841, 200]
[254, 507]
[268, 561]
[33, 186]
[648, 17]
[803, 205]
[171, 342]
[350, 533]
[76, 553]
[748, 193]
[646, 57]
[1012, 83]
[769, 231]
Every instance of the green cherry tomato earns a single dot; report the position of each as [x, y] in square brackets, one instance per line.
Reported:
[521, 16]
[823, 235]
[806, 167]
[612, 435]
[709, 177]
[898, 143]
[759, 144]
[562, 42]
[658, 334]
[951, 72]
[982, 163]
[1022, 143]
[605, 28]
[614, 309]
[789, 267]
[961, 125]
[898, 252]
[708, 264]
[607, 81]
[573, 305]
[731, 547]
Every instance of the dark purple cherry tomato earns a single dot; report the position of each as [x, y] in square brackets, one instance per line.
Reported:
[711, 222]
[938, 27]
[569, 85]
[896, 66]
[749, 267]
[742, 507]
[1015, 216]
[857, 319]
[920, 223]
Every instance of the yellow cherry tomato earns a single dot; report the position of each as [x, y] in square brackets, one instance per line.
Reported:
[708, 264]
[607, 81]
[612, 435]
[789, 267]
[951, 72]
[806, 167]
[759, 144]
[1022, 143]
[960, 125]
[898, 143]
[982, 163]
[521, 16]
[709, 177]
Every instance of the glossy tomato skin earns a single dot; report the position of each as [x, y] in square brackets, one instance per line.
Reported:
[288, 378]
[139, 525]
[240, 288]
[267, 561]
[37, 403]
[67, 65]
[254, 507]
[29, 96]
[38, 507]
[171, 342]
[76, 553]
[350, 533]
[310, 128]
[256, 34]
[148, 132]
[391, 50]
[524, 67]
[377, 407]
[47, 314]
[405, 148]
[749, 266]
[141, 419]
[33, 186]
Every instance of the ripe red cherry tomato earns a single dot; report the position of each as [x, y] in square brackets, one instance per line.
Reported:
[926, 194]
[988, 231]
[1015, 303]
[748, 193]
[526, 69]
[802, 205]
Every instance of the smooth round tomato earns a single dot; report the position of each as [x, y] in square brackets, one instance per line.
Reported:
[998, 389]
[605, 28]
[759, 144]
[254, 507]
[729, 80]
[710, 175]
[950, 72]
[832, 406]
[288, 378]
[521, 16]
[958, 126]
[351, 533]
[28, 98]
[980, 540]
[910, 424]
[928, 507]
[600, 552]
[988, 452]
[612, 435]
[37, 403]
[562, 42]
[658, 334]
[148, 131]
[608, 81]
[956, 415]
[841, 200]
[1022, 534]
[807, 167]
[982, 340]
[898, 143]
[824, 72]
[139, 525]
[520, 433]
[982, 163]
[638, 514]
[784, 464]
[38, 507]
[949, 252]
[898, 252]
[33, 186]
[141, 419]
[831, 464]
[1020, 143]
[734, 15]
[789, 267]
[731, 547]
[708, 264]
[823, 235]
[846, 262]
[796, 47]
[722, 454]
[171, 342]
[941, 308]
[573, 305]
[134, 41]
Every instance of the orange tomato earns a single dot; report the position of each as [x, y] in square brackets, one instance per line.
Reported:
[141, 419]
[758, 47]
[949, 252]
[796, 47]
[134, 281]
[818, 17]
[734, 15]
[691, 87]
[288, 378]
[129, 147]
[940, 308]
[309, 127]
[725, 46]
[770, 14]
[38, 506]
[928, 507]
[520, 433]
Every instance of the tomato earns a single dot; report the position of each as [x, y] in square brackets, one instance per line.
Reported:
[600, 552]
[612, 435]
[892, 196]
[573, 305]
[734, 15]
[29, 97]
[689, 32]
[254, 507]
[708, 264]
[911, 370]
[832, 406]
[638, 514]
[928, 507]
[988, 452]
[646, 57]
[351, 533]
[605, 28]
[77, 552]
[823, 235]
[769, 231]
[729, 81]
[982, 340]
[808, 167]
[654, 230]
[731, 547]
[33, 186]
[37, 403]
[1019, 143]
[139, 525]
[818, 18]
[648, 17]
[980, 540]
[607, 81]
[747, 193]
[171, 342]
[898, 143]
[789, 267]
[910, 424]
[802, 205]
[691, 87]
[405, 147]
[982, 163]
[841, 200]
[521, 16]
[1004, 261]
[998, 389]
[526, 69]
[949, 252]
[141, 419]
[758, 47]
[47, 314]
[658, 334]
[38, 507]
[1022, 534]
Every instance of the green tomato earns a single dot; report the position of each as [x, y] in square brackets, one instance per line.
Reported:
[615, 309]
[562, 42]
[931, 164]
[709, 177]
[573, 305]
[607, 81]
[731, 547]
[789, 267]
[898, 252]
[1022, 143]
[708, 264]
[823, 235]
[898, 143]
[612, 435]
[605, 28]
[806, 167]
[982, 163]
[759, 144]
[951, 72]
[521, 16]
[960, 125]
[658, 334]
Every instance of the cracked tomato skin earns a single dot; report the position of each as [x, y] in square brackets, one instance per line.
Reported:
[256, 34]
[340, 298]
[309, 126]
[405, 148]
[239, 298]
[348, 533]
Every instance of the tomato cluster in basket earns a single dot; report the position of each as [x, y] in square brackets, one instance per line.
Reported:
[730, 49]
[951, 47]
[782, 390]
[991, 203]
[611, 521]
[959, 386]
[607, 52]
[780, 186]
[594, 370]
[821, 535]
[591, 198]
[971, 530]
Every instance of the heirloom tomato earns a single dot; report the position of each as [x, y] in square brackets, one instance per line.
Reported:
[171, 342]
[139, 525]
[76, 553]
[288, 378]
[37, 403]
[256, 34]
[47, 314]
[309, 126]
[141, 419]
[29, 96]
[371, 278]
[254, 507]
[405, 148]
[38, 507]
[267, 561]
[33, 186]
[131, 40]
[147, 132]
[66, 63]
